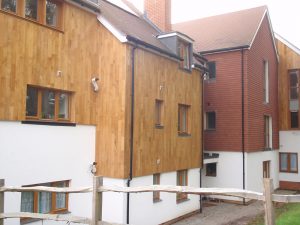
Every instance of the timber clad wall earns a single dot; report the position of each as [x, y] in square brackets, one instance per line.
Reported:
[32, 54]
[262, 49]
[289, 59]
[228, 102]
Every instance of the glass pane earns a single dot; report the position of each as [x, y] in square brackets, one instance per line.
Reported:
[51, 13]
[293, 79]
[63, 106]
[294, 105]
[61, 197]
[294, 93]
[48, 104]
[294, 119]
[31, 9]
[31, 101]
[211, 120]
[9, 5]
[283, 161]
[212, 70]
[183, 119]
[293, 163]
[45, 202]
[27, 199]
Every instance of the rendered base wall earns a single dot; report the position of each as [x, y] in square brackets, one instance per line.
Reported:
[290, 142]
[31, 154]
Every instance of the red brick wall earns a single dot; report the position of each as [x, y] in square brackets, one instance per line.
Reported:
[224, 97]
[289, 185]
[262, 49]
[159, 12]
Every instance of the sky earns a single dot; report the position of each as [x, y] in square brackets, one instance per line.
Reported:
[285, 15]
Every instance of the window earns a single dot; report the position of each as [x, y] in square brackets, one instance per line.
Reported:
[266, 81]
[158, 113]
[45, 202]
[294, 98]
[183, 119]
[212, 70]
[156, 181]
[182, 180]
[47, 12]
[184, 53]
[266, 169]
[211, 169]
[210, 121]
[47, 104]
[268, 132]
[9, 5]
[288, 162]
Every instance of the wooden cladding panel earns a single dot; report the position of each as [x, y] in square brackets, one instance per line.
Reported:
[32, 54]
[288, 59]
[162, 150]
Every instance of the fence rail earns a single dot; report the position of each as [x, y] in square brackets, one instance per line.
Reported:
[267, 197]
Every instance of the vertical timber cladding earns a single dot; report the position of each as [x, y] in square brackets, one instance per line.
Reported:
[32, 54]
[162, 150]
[288, 59]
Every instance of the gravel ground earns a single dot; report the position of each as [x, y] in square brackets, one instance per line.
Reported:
[225, 214]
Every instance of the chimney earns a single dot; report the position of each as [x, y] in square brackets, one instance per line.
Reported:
[159, 12]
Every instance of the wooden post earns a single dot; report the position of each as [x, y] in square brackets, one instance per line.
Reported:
[269, 207]
[2, 182]
[97, 200]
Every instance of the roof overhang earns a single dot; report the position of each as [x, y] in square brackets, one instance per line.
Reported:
[287, 43]
[178, 34]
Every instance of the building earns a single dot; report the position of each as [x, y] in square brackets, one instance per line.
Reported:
[240, 101]
[90, 88]
[289, 57]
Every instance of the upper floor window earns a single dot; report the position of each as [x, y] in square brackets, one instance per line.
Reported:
[159, 113]
[268, 132]
[47, 104]
[266, 81]
[294, 98]
[212, 70]
[182, 180]
[45, 202]
[46, 12]
[184, 53]
[288, 162]
[210, 120]
[183, 119]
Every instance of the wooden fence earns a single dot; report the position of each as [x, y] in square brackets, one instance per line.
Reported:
[267, 196]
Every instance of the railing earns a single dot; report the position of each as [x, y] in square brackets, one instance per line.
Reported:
[267, 196]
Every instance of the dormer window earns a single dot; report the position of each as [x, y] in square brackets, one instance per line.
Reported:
[184, 53]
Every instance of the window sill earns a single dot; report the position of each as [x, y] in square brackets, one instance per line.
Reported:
[184, 135]
[288, 171]
[211, 175]
[178, 201]
[267, 149]
[158, 126]
[31, 20]
[48, 123]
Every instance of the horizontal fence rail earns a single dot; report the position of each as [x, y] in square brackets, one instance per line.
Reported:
[267, 196]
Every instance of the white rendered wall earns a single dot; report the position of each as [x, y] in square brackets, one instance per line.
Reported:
[144, 211]
[290, 142]
[31, 154]
[254, 169]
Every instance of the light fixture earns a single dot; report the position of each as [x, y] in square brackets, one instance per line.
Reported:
[95, 84]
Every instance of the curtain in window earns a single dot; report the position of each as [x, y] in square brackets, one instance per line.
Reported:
[27, 200]
[44, 202]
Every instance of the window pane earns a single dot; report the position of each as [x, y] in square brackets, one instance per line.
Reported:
[51, 13]
[283, 161]
[48, 104]
[31, 9]
[294, 93]
[294, 119]
[211, 169]
[293, 162]
[211, 120]
[27, 199]
[293, 79]
[31, 101]
[63, 106]
[183, 118]
[9, 5]
[212, 69]
[45, 202]
[61, 197]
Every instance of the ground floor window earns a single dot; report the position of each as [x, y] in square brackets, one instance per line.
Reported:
[288, 162]
[156, 181]
[266, 169]
[182, 180]
[45, 202]
[211, 169]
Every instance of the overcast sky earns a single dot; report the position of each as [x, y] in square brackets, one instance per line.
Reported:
[284, 14]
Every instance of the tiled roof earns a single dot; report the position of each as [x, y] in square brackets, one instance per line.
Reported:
[226, 31]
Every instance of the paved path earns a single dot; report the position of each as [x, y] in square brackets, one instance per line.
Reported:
[225, 214]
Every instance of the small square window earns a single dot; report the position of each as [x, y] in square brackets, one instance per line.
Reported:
[9, 5]
[211, 169]
[210, 121]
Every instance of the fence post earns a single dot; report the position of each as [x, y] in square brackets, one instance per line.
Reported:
[97, 200]
[269, 207]
[2, 182]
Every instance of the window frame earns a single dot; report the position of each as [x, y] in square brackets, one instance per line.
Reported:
[56, 106]
[41, 12]
[288, 170]
[266, 82]
[159, 113]
[209, 174]
[182, 180]
[207, 122]
[268, 133]
[291, 71]
[156, 194]
[209, 65]
[184, 111]
[53, 209]
[184, 51]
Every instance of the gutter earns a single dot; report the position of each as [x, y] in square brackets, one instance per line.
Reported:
[224, 49]
[243, 119]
